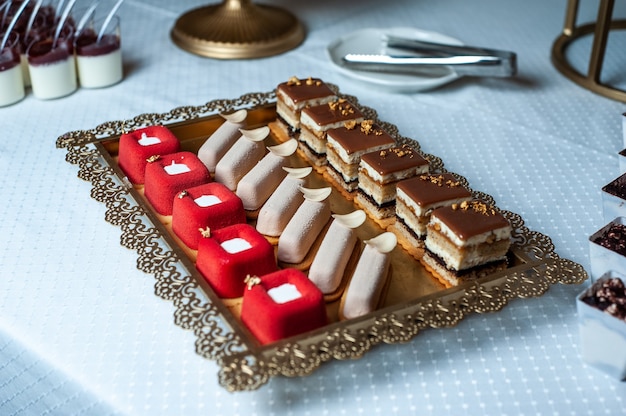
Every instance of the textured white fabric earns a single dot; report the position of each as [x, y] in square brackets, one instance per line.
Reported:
[81, 331]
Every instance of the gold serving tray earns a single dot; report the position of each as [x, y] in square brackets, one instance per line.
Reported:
[414, 301]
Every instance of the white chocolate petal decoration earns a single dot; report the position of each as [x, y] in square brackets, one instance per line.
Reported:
[351, 220]
[256, 135]
[384, 242]
[236, 117]
[317, 195]
[298, 173]
[284, 149]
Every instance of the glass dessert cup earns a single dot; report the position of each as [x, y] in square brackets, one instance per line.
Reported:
[11, 77]
[606, 248]
[614, 198]
[602, 335]
[41, 30]
[52, 68]
[99, 62]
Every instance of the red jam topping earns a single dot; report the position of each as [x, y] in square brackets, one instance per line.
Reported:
[87, 44]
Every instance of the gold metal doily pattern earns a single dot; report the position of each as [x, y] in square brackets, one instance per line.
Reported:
[247, 367]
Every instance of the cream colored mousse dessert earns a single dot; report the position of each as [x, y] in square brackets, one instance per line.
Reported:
[218, 143]
[366, 289]
[247, 151]
[305, 227]
[278, 210]
[330, 263]
[262, 180]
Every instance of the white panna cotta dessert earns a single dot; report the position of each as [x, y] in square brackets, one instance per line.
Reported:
[99, 61]
[11, 80]
[52, 69]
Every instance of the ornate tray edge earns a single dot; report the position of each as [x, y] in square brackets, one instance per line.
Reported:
[240, 368]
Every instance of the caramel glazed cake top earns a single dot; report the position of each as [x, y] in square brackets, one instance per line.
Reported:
[299, 92]
[329, 115]
[472, 219]
[429, 189]
[387, 162]
[355, 138]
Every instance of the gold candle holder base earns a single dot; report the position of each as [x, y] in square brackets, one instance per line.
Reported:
[237, 29]
[600, 30]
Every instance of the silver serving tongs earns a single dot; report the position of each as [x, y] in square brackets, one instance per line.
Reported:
[429, 58]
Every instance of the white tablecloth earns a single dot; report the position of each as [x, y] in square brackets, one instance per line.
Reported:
[81, 331]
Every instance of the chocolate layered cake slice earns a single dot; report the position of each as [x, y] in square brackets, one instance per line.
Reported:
[380, 172]
[294, 95]
[315, 121]
[345, 145]
[416, 199]
[466, 241]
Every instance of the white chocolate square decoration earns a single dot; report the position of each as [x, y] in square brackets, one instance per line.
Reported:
[176, 168]
[284, 293]
[207, 201]
[236, 245]
[148, 140]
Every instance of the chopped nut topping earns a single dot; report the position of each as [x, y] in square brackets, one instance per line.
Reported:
[182, 194]
[367, 126]
[439, 181]
[341, 105]
[404, 151]
[476, 206]
[293, 81]
[252, 281]
[153, 158]
[206, 232]
[350, 124]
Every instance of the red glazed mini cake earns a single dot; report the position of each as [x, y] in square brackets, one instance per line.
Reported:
[345, 146]
[294, 95]
[466, 241]
[167, 175]
[137, 147]
[210, 206]
[282, 304]
[315, 122]
[380, 172]
[230, 254]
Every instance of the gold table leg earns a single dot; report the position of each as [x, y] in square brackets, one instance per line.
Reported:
[600, 30]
